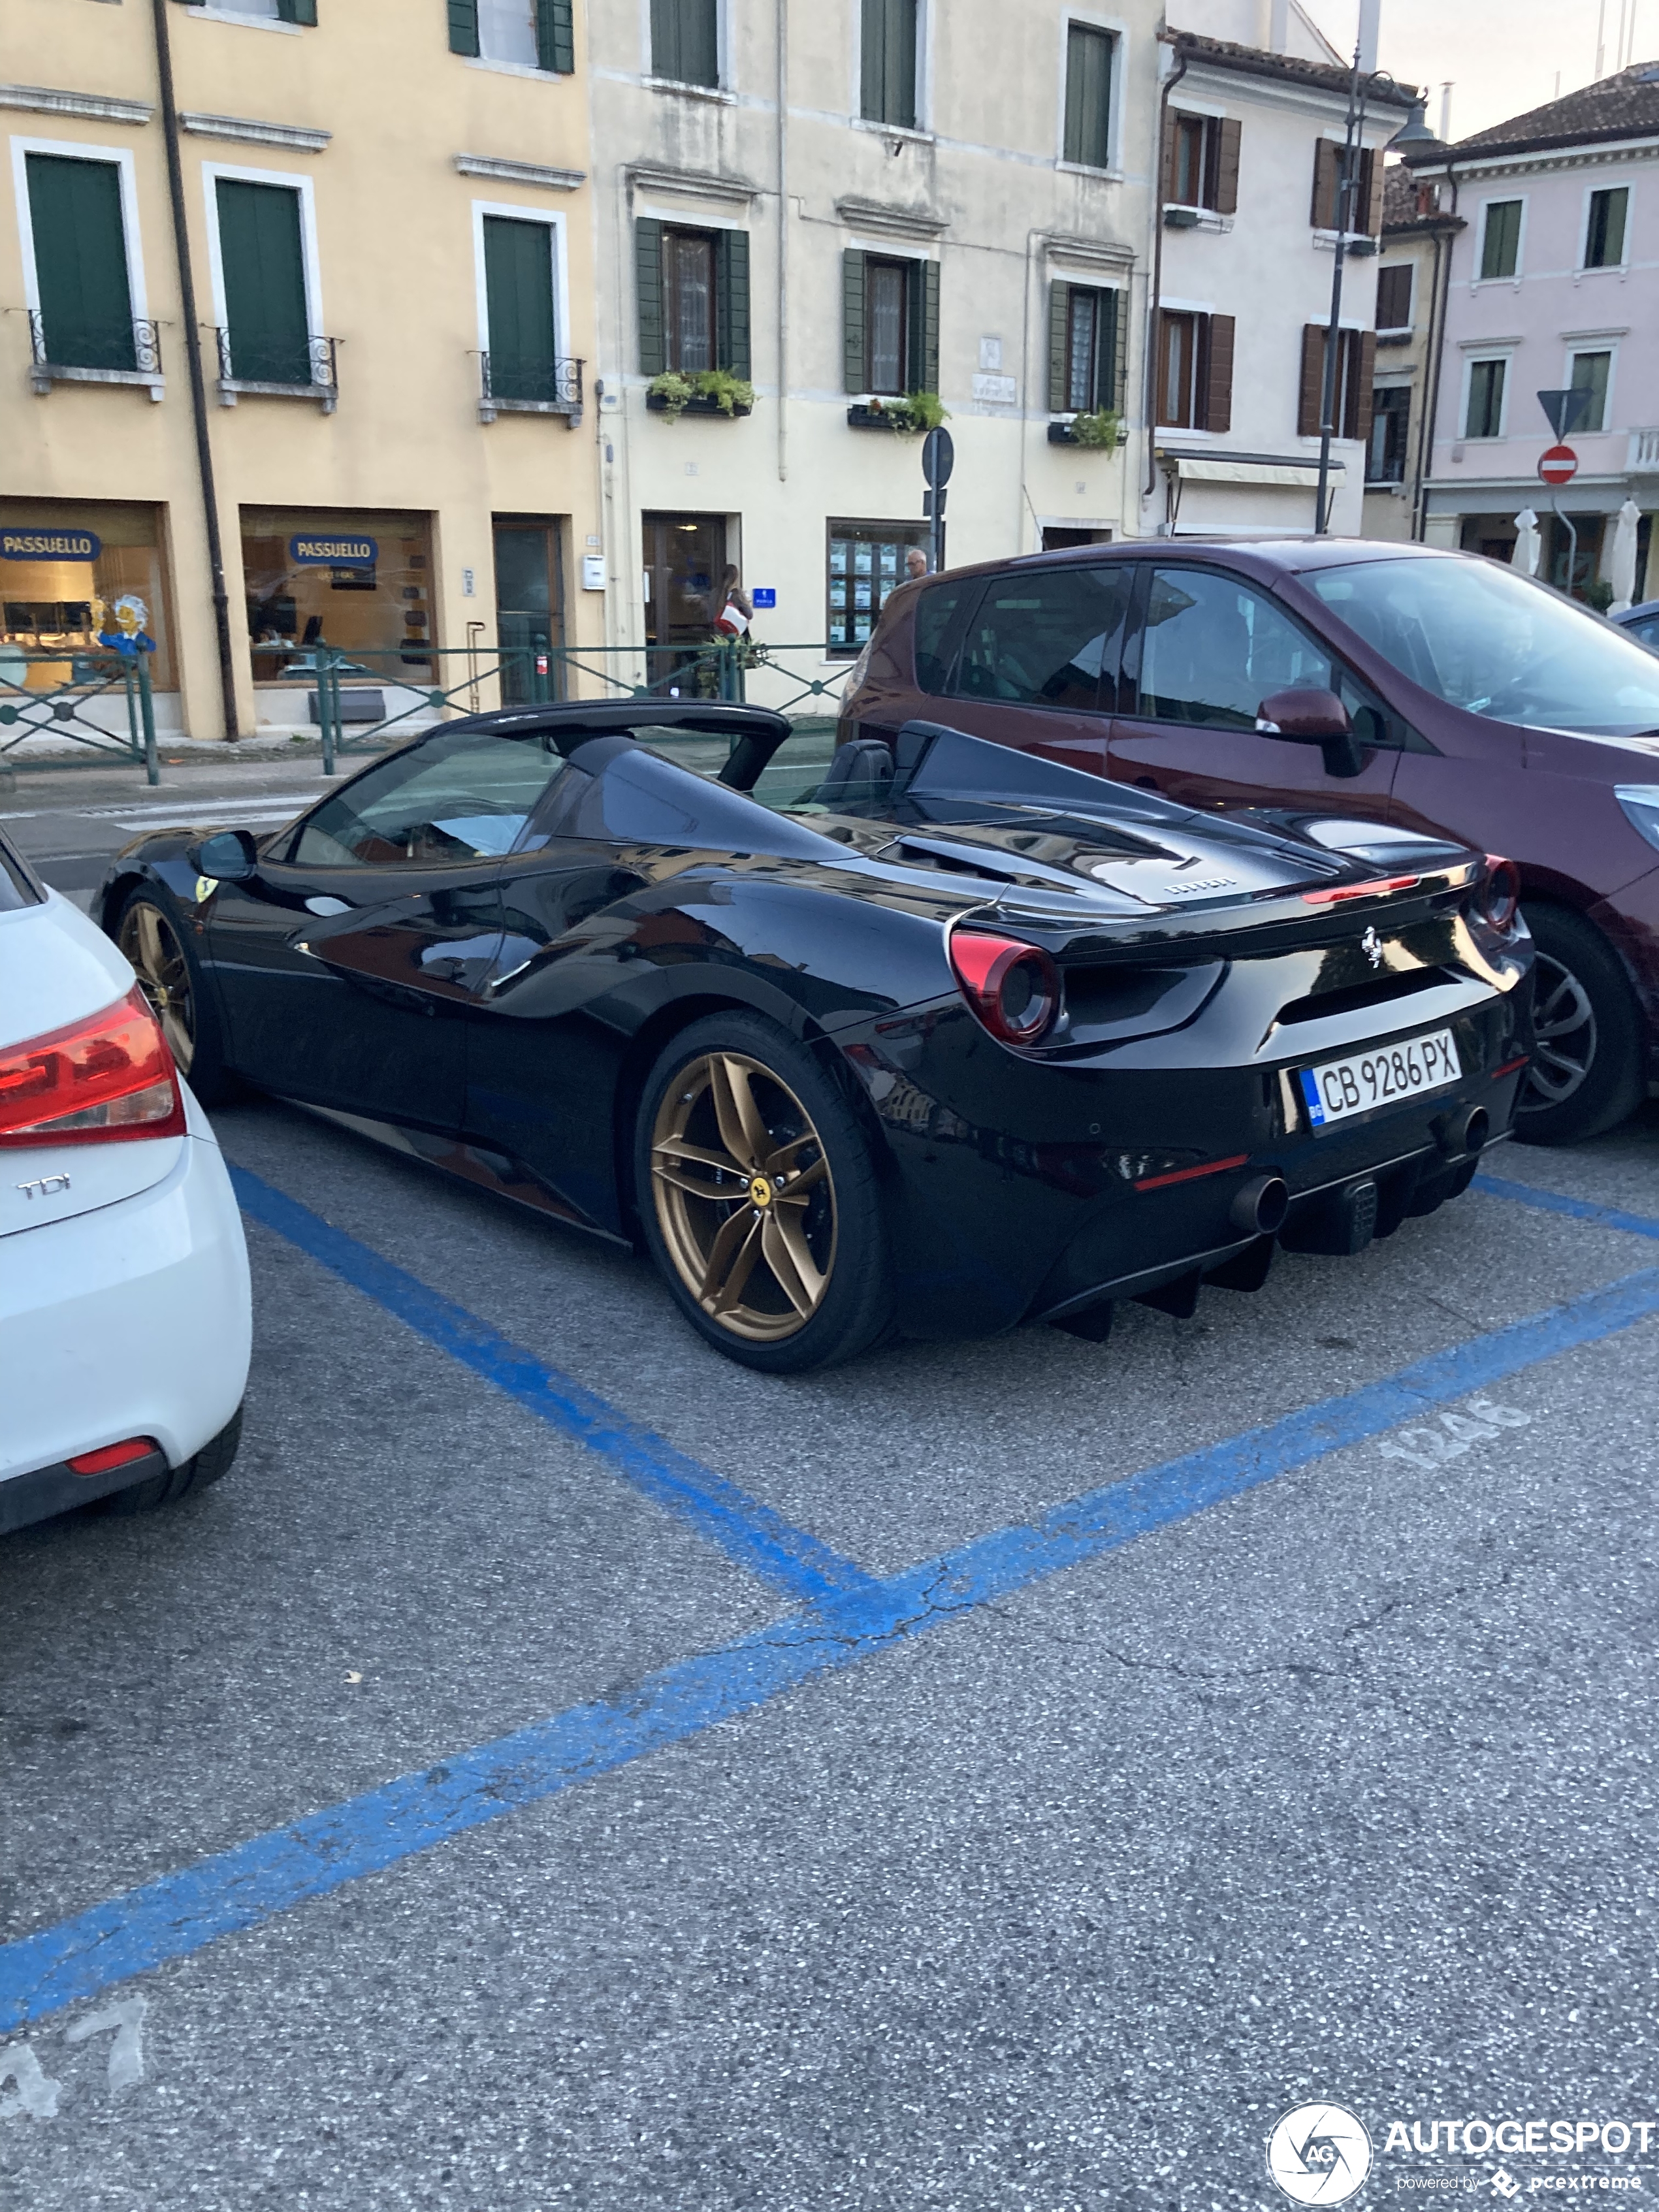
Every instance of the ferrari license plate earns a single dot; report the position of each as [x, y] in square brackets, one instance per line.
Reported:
[1381, 1076]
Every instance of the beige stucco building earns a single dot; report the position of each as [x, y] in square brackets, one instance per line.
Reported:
[841, 205]
[391, 245]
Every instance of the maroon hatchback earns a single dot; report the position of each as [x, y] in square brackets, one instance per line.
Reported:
[1436, 691]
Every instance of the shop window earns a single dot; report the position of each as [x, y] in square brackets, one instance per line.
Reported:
[685, 41]
[866, 567]
[80, 262]
[267, 321]
[1500, 239]
[1604, 231]
[887, 75]
[1089, 57]
[360, 581]
[73, 575]
[518, 294]
[521, 33]
[1086, 333]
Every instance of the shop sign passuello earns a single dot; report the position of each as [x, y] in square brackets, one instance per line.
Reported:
[308, 552]
[31, 541]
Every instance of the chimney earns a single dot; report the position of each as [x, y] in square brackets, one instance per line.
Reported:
[1371, 12]
[1445, 112]
[1278, 27]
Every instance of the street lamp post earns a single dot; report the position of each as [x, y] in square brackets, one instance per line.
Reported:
[1414, 132]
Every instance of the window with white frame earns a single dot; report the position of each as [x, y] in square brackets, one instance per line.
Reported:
[1592, 374]
[1090, 72]
[1483, 410]
[1605, 220]
[522, 306]
[265, 328]
[79, 247]
[1500, 239]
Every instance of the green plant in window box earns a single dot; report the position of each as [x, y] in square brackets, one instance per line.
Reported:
[676, 390]
[1103, 426]
[1598, 593]
[916, 411]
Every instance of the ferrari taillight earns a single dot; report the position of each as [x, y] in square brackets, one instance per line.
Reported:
[1379, 887]
[1013, 986]
[108, 1077]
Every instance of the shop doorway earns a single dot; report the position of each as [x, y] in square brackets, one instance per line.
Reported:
[685, 557]
[529, 606]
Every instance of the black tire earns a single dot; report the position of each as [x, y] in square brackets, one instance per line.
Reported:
[837, 1224]
[151, 936]
[209, 1465]
[1587, 1072]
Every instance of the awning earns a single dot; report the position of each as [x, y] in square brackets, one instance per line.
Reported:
[1251, 469]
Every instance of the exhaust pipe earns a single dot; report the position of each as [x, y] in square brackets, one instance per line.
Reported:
[1259, 1209]
[1463, 1132]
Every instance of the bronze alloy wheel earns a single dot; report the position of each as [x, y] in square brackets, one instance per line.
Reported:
[151, 944]
[744, 1196]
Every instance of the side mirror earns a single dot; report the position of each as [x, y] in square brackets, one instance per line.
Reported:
[229, 856]
[1314, 718]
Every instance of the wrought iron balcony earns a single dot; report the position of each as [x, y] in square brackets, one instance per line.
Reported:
[276, 367]
[529, 387]
[118, 352]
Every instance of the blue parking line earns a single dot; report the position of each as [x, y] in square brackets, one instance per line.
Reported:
[238, 1888]
[1577, 1209]
[748, 1533]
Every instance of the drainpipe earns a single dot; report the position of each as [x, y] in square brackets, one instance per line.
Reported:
[1437, 349]
[1156, 292]
[193, 356]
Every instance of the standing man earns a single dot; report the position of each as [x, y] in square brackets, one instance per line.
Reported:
[915, 563]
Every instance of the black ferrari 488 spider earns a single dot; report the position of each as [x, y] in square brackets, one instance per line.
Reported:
[943, 1040]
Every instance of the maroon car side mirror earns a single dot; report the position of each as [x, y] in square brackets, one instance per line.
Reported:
[1314, 718]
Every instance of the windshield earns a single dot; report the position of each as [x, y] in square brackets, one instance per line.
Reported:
[1483, 638]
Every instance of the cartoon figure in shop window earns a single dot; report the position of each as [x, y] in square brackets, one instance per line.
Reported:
[121, 627]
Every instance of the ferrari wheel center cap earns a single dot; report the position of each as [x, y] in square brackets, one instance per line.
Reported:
[760, 1190]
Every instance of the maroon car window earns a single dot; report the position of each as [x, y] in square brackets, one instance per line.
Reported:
[1212, 650]
[1044, 637]
[936, 613]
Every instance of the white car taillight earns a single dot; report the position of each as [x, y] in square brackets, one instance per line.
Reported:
[108, 1077]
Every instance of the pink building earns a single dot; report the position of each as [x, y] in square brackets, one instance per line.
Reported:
[1551, 283]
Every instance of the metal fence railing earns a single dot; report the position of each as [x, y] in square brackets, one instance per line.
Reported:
[54, 694]
[363, 701]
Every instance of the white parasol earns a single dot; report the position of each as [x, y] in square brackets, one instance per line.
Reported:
[1621, 573]
[1526, 542]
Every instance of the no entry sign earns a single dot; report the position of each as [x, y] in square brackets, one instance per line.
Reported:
[1558, 465]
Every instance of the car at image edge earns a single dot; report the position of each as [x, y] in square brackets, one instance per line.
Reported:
[1443, 693]
[125, 1310]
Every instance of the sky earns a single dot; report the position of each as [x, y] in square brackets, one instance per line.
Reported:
[1501, 55]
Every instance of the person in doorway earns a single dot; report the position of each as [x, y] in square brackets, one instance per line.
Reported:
[915, 563]
[733, 612]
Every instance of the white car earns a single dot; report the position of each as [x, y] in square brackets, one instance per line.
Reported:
[124, 1312]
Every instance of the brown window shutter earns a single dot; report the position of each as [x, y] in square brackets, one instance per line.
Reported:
[1226, 167]
[1327, 182]
[1219, 379]
[1370, 196]
[1360, 384]
[1059, 307]
[1166, 190]
[1313, 381]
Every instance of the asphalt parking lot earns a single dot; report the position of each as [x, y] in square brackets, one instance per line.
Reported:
[560, 1768]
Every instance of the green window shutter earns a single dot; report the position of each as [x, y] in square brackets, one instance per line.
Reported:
[297, 11]
[685, 41]
[264, 282]
[888, 62]
[1115, 348]
[925, 357]
[518, 296]
[1059, 310]
[81, 262]
[647, 263]
[1088, 96]
[463, 27]
[555, 36]
[731, 300]
[852, 317]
